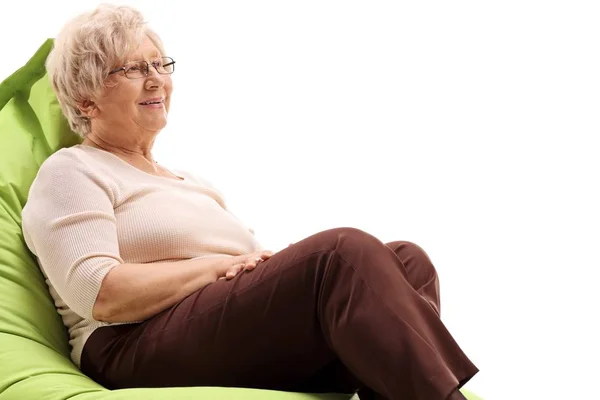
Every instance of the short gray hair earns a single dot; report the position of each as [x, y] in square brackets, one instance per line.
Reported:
[85, 51]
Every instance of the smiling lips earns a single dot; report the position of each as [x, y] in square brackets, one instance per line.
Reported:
[156, 102]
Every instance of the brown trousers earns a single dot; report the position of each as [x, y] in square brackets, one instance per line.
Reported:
[339, 311]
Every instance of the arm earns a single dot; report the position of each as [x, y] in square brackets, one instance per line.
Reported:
[69, 223]
[135, 292]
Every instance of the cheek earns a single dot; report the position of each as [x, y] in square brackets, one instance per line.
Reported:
[169, 91]
[127, 92]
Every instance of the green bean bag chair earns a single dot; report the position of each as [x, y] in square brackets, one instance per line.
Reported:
[34, 349]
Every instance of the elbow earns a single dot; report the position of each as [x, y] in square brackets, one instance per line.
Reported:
[101, 311]
[104, 309]
[106, 306]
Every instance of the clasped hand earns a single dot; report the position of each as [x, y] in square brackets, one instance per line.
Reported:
[246, 262]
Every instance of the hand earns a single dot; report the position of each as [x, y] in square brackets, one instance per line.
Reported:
[246, 262]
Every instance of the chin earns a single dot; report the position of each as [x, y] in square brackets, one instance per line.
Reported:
[157, 125]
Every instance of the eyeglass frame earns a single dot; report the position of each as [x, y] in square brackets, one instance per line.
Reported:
[147, 69]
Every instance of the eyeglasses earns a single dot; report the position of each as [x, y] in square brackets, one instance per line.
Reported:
[140, 69]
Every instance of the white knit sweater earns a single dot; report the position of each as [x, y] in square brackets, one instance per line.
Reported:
[88, 211]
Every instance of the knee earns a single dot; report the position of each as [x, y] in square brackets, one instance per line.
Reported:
[412, 255]
[413, 249]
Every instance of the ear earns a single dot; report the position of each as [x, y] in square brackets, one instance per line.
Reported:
[88, 108]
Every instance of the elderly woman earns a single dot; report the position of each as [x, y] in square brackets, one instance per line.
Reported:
[160, 285]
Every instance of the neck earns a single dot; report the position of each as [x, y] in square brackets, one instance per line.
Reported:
[131, 152]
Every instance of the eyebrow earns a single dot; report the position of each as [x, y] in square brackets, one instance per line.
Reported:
[152, 56]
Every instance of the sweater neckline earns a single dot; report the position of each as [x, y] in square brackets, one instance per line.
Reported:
[180, 178]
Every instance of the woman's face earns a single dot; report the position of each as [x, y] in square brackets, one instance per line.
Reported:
[122, 113]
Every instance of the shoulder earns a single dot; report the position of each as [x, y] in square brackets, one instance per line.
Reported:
[78, 162]
[69, 172]
[69, 161]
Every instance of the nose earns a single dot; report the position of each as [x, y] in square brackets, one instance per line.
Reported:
[154, 80]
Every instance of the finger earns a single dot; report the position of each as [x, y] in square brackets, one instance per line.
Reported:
[230, 275]
[233, 271]
[250, 265]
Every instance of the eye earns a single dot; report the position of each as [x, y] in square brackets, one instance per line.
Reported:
[157, 63]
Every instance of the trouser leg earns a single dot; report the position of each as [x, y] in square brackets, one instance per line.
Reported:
[340, 294]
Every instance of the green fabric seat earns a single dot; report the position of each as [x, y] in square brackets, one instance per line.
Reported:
[34, 349]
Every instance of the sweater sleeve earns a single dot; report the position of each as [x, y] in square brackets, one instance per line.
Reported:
[69, 224]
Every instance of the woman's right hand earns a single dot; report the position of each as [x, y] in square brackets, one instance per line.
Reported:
[247, 262]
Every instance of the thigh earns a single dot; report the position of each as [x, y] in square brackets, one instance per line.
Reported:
[259, 329]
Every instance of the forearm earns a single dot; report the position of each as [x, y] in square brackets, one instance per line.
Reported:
[135, 292]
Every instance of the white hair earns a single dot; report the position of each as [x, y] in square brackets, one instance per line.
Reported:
[85, 51]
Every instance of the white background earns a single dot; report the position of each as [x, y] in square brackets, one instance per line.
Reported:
[468, 127]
